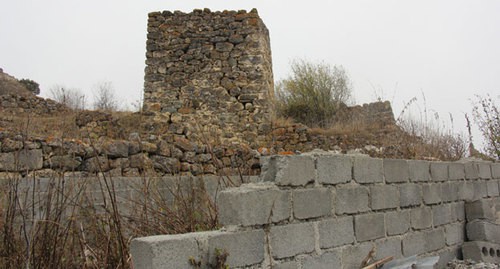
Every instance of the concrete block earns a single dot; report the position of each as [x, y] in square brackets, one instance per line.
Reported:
[368, 170]
[384, 197]
[431, 193]
[441, 214]
[480, 230]
[351, 199]
[480, 189]
[434, 240]
[396, 171]
[447, 255]
[466, 191]
[369, 226]
[456, 171]
[480, 209]
[336, 232]
[492, 188]
[421, 218]
[410, 195]
[471, 170]
[288, 170]
[449, 192]
[244, 248]
[164, 251]
[327, 260]
[484, 170]
[439, 171]
[389, 247]
[414, 244]
[253, 204]
[495, 170]
[454, 233]
[458, 211]
[397, 222]
[292, 239]
[334, 169]
[312, 203]
[419, 170]
[351, 255]
[481, 252]
[286, 265]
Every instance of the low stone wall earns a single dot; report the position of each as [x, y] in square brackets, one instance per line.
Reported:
[328, 211]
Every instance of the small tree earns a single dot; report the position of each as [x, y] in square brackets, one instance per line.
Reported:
[31, 85]
[487, 117]
[104, 97]
[312, 93]
[72, 98]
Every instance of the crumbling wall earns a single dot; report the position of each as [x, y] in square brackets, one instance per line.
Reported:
[328, 211]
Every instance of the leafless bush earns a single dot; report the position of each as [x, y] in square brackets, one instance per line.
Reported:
[487, 117]
[72, 98]
[105, 97]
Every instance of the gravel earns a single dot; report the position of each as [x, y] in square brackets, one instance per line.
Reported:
[468, 264]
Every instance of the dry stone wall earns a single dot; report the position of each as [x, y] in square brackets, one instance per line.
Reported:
[328, 211]
[209, 71]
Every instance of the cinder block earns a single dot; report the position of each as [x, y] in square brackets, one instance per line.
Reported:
[439, 171]
[292, 239]
[368, 170]
[454, 233]
[419, 170]
[384, 197]
[456, 171]
[369, 226]
[286, 265]
[421, 218]
[434, 240]
[312, 203]
[253, 204]
[336, 232]
[480, 209]
[431, 193]
[396, 171]
[447, 255]
[164, 251]
[471, 170]
[334, 169]
[414, 244]
[449, 192]
[389, 247]
[441, 214]
[410, 195]
[351, 199]
[397, 222]
[480, 189]
[331, 259]
[466, 191]
[480, 230]
[244, 248]
[492, 188]
[495, 170]
[482, 252]
[351, 255]
[484, 169]
[458, 211]
[288, 170]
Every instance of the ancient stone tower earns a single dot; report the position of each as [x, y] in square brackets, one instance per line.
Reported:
[209, 71]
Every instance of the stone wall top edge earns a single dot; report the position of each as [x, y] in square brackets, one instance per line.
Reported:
[202, 11]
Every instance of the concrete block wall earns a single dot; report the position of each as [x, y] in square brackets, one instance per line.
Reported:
[328, 211]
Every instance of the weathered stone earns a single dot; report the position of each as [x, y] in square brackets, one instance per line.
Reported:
[166, 164]
[21, 160]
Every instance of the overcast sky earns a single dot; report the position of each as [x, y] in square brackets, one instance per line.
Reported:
[447, 50]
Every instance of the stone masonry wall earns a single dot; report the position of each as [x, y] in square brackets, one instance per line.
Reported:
[209, 71]
[328, 211]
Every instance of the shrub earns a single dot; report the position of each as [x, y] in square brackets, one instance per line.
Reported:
[31, 85]
[312, 93]
[487, 117]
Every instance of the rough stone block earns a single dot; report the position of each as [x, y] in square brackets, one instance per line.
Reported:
[481, 252]
[480, 209]
[495, 170]
[439, 171]
[351, 254]
[397, 222]
[253, 204]
[419, 170]
[414, 244]
[22, 160]
[441, 214]
[292, 239]
[327, 260]
[492, 188]
[351, 199]
[421, 218]
[456, 171]
[164, 251]
[389, 247]
[471, 170]
[244, 248]
[288, 170]
[369, 226]
[336, 232]
[410, 195]
[334, 169]
[384, 197]
[312, 203]
[480, 230]
[484, 170]
[368, 170]
[431, 193]
[396, 171]
[454, 234]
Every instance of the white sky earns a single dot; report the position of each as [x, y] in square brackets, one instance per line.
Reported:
[447, 50]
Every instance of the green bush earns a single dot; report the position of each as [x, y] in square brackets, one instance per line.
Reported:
[31, 85]
[313, 93]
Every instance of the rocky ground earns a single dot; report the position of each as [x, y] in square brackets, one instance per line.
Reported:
[468, 264]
